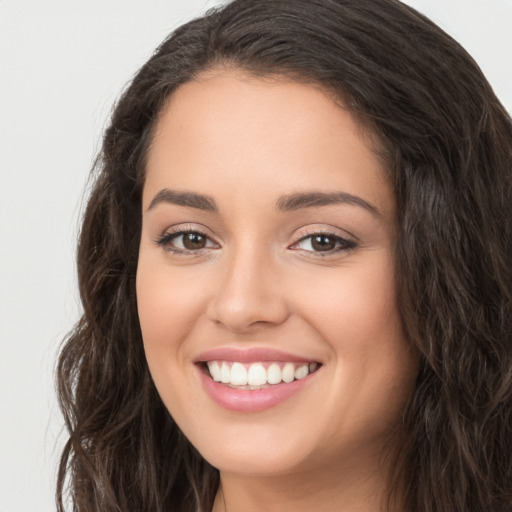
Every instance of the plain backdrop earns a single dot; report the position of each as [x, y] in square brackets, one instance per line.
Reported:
[62, 64]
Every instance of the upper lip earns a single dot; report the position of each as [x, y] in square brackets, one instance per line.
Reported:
[251, 355]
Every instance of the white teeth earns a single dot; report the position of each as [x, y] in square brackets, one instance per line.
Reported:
[225, 373]
[274, 374]
[238, 374]
[302, 371]
[255, 376]
[213, 366]
[288, 372]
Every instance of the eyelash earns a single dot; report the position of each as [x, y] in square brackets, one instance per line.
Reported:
[165, 241]
[342, 244]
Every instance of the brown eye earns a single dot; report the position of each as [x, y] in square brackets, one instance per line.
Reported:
[185, 242]
[194, 241]
[323, 243]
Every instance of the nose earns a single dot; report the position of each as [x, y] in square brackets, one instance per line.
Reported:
[249, 294]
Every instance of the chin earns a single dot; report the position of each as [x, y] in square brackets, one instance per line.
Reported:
[255, 462]
[251, 447]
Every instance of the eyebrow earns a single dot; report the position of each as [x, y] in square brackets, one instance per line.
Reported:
[286, 203]
[190, 199]
[316, 199]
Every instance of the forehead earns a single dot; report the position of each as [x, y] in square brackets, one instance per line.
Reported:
[261, 135]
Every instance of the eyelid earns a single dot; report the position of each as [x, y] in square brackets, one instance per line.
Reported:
[187, 228]
[349, 241]
[323, 229]
[346, 241]
[175, 231]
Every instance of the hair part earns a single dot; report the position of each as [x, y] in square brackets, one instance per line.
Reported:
[447, 144]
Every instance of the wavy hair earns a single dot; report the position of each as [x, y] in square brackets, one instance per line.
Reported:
[447, 144]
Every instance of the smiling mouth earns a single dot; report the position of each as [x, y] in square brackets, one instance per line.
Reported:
[258, 375]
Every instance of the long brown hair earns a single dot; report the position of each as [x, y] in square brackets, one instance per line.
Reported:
[447, 144]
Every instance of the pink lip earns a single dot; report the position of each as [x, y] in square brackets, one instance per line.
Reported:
[250, 401]
[249, 355]
[246, 400]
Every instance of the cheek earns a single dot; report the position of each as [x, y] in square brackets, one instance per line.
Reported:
[356, 308]
[168, 308]
[372, 365]
[169, 304]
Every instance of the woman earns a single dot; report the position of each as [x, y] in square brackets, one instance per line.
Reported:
[294, 272]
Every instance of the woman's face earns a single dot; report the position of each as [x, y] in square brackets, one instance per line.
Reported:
[267, 254]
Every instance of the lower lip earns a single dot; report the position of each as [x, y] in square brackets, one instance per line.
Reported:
[251, 400]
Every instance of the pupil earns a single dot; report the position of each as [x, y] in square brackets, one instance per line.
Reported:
[322, 243]
[194, 241]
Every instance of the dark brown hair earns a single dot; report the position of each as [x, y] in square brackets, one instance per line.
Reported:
[447, 144]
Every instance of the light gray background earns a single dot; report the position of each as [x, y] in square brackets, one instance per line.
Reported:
[62, 64]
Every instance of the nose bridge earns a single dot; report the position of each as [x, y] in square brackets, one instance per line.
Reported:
[248, 292]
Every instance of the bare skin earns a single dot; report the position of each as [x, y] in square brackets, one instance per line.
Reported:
[268, 223]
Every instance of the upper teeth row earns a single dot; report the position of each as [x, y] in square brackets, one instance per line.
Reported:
[255, 374]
